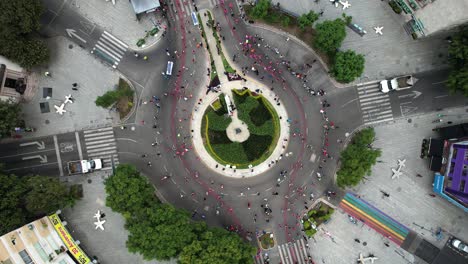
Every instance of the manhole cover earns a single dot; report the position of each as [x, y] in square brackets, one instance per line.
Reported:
[364, 243]
[70, 46]
[90, 181]
[410, 120]
[47, 122]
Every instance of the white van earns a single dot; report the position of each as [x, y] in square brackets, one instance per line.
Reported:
[170, 64]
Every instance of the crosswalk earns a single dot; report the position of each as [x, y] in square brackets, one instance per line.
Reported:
[110, 49]
[375, 105]
[187, 9]
[100, 143]
[292, 253]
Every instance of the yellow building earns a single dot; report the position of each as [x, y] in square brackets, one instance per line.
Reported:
[45, 240]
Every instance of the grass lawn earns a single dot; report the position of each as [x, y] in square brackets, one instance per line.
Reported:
[125, 103]
[278, 19]
[263, 124]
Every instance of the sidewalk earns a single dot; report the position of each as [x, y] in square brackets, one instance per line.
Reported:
[121, 21]
[66, 67]
[226, 88]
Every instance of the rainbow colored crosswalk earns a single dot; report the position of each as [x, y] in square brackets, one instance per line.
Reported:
[374, 218]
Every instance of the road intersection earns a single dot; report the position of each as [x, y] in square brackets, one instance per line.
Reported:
[155, 134]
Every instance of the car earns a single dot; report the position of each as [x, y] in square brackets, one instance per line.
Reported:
[460, 245]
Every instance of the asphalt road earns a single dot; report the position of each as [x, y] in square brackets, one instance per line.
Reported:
[43, 156]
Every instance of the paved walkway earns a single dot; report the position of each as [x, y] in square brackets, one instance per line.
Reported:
[393, 53]
[226, 88]
[121, 21]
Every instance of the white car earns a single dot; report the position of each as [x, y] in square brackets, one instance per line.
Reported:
[460, 245]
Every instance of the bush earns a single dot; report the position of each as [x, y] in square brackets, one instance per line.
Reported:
[307, 225]
[310, 232]
[260, 10]
[285, 21]
[111, 97]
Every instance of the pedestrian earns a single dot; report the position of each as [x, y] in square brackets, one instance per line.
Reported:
[74, 86]
[47, 74]
[149, 164]
[357, 240]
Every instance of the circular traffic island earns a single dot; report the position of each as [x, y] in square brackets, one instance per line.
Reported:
[240, 130]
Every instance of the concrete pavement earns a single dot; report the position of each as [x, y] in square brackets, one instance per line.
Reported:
[66, 68]
[393, 53]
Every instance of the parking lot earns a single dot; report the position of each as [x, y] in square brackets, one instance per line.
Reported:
[409, 201]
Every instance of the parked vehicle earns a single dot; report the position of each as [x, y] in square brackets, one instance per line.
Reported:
[84, 166]
[460, 245]
[397, 83]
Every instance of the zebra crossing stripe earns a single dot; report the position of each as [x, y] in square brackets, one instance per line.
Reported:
[304, 248]
[116, 52]
[107, 34]
[98, 130]
[100, 147]
[99, 133]
[107, 51]
[382, 105]
[280, 249]
[375, 99]
[297, 252]
[110, 140]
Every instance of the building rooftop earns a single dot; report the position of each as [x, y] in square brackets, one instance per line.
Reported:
[45, 240]
[142, 6]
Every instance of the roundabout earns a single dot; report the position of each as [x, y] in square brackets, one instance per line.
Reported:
[240, 132]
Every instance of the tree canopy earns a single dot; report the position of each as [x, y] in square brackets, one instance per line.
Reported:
[217, 246]
[306, 20]
[458, 58]
[357, 159]
[330, 35]
[20, 21]
[128, 191]
[161, 231]
[26, 198]
[260, 10]
[10, 114]
[347, 66]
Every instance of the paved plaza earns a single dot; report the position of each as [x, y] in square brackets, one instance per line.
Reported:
[67, 67]
[390, 54]
[409, 202]
[120, 20]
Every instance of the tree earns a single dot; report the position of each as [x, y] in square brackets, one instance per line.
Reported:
[285, 21]
[306, 20]
[110, 97]
[12, 213]
[357, 159]
[20, 17]
[330, 34]
[260, 10]
[347, 66]
[27, 52]
[161, 232]
[46, 195]
[20, 21]
[217, 245]
[128, 191]
[458, 58]
[26, 198]
[10, 114]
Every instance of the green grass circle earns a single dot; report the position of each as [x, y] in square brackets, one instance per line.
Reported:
[259, 116]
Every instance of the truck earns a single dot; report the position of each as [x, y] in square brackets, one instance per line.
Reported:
[84, 166]
[397, 83]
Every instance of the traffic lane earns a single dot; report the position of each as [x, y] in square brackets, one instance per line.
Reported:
[428, 94]
[42, 163]
[69, 147]
[26, 146]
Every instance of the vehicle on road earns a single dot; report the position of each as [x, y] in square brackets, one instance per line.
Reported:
[460, 245]
[397, 83]
[84, 166]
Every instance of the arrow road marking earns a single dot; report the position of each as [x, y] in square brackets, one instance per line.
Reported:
[42, 157]
[39, 145]
[414, 95]
[72, 33]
